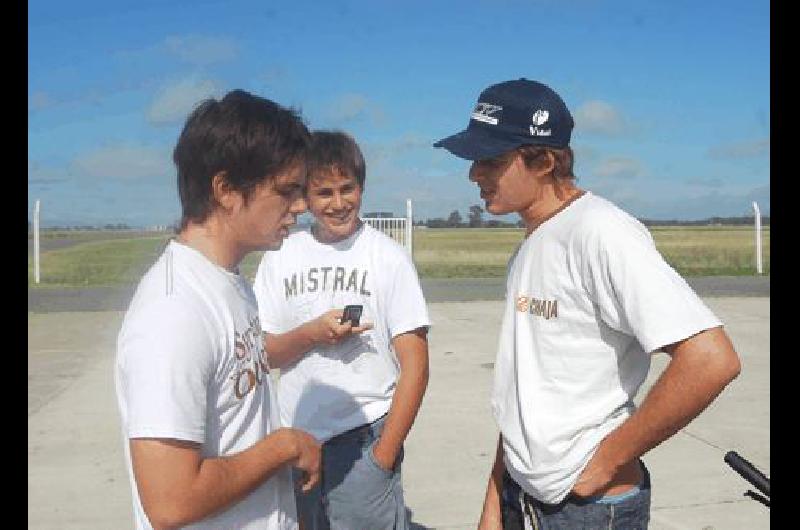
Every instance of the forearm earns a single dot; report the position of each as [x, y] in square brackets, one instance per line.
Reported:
[408, 394]
[285, 348]
[191, 489]
[406, 401]
[491, 515]
[700, 369]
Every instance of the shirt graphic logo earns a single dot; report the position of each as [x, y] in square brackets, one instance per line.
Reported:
[539, 118]
[546, 309]
[483, 112]
[522, 304]
[251, 365]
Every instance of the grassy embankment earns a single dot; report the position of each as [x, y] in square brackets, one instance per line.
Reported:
[438, 253]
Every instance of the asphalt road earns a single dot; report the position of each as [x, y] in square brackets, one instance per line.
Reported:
[47, 300]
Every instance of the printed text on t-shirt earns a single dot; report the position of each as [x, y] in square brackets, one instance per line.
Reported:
[541, 308]
[324, 279]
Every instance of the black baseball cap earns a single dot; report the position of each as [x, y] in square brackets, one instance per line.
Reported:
[511, 114]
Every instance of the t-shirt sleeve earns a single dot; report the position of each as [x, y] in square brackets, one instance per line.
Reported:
[267, 296]
[636, 290]
[167, 361]
[405, 306]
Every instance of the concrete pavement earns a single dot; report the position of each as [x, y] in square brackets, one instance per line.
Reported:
[76, 474]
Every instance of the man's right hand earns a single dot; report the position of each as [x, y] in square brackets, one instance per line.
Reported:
[328, 328]
[309, 457]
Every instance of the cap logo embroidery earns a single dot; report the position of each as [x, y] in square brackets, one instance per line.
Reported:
[483, 112]
[539, 118]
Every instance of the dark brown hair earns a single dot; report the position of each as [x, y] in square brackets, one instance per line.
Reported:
[532, 156]
[249, 138]
[336, 150]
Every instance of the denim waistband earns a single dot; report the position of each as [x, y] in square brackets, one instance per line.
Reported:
[595, 499]
[365, 432]
[611, 499]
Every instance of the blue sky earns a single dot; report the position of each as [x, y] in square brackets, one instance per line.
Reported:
[671, 99]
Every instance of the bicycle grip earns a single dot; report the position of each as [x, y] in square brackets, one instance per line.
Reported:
[748, 471]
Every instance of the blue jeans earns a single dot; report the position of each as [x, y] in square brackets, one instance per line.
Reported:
[354, 492]
[627, 511]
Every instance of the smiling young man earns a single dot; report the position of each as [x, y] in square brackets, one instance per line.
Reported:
[204, 445]
[588, 299]
[356, 388]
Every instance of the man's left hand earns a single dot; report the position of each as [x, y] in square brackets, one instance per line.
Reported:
[384, 457]
[597, 474]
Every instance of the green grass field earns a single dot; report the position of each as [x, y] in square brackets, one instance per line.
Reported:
[438, 253]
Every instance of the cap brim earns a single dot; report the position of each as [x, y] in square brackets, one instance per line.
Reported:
[477, 144]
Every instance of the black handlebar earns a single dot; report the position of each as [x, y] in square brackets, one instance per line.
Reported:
[748, 471]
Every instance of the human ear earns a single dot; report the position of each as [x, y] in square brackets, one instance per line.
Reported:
[223, 193]
[548, 162]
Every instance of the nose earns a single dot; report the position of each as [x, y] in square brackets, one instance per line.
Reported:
[473, 173]
[336, 201]
[299, 205]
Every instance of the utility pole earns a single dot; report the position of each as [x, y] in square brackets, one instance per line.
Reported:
[36, 241]
[757, 214]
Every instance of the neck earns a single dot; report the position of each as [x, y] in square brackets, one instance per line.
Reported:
[212, 240]
[552, 199]
[324, 236]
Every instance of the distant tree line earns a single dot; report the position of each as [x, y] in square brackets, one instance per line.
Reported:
[742, 220]
[475, 220]
[106, 226]
[454, 220]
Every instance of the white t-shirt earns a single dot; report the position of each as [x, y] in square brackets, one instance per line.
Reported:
[190, 366]
[588, 299]
[332, 389]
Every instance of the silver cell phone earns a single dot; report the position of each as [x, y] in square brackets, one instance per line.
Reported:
[352, 313]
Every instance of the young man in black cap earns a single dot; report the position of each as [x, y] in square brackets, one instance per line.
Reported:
[588, 299]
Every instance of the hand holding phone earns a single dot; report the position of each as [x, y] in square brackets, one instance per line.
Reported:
[352, 313]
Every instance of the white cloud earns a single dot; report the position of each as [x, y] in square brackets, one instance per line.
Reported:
[709, 182]
[717, 203]
[599, 117]
[352, 107]
[202, 50]
[619, 167]
[124, 162]
[274, 75]
[175, 101]
[39, 174]
[402, 146]
[738, 150]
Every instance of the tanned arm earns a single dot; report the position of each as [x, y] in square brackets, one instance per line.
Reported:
[701, 366]
[491, 515]
[286, 348]
[412, 353]
[178, 487]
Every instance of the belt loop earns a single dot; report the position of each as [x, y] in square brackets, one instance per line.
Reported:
[528, 511]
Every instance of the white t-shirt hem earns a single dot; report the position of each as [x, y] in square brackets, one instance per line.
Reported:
[150, 432]
[657, 343]
[411, 326]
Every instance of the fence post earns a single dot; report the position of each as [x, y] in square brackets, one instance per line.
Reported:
[757, 214]
[36, 241]
[409, 228]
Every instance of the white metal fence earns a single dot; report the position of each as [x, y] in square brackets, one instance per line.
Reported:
[401, 229]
